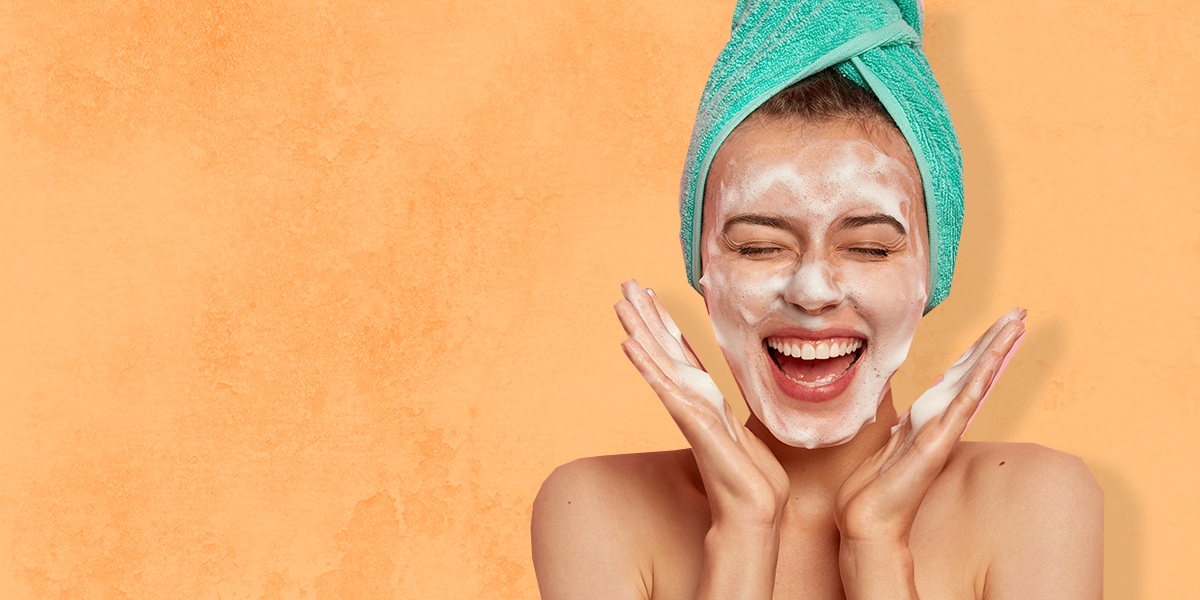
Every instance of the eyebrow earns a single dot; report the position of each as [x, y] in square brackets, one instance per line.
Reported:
[873, 219]
[764, 220]
[845, 223]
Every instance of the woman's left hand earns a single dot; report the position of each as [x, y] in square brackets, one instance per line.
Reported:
[878, 502]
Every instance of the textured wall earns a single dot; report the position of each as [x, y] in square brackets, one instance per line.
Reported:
[305, 298]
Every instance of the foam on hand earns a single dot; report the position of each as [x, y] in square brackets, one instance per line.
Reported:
[691, 379]
[935, 400]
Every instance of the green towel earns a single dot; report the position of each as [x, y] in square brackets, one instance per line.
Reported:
[875, 43]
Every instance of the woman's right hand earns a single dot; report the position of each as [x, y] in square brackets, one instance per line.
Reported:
[747, 488]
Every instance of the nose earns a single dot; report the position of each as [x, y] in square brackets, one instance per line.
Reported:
[814, 287]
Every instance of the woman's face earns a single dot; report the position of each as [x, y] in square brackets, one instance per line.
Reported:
[816, 267]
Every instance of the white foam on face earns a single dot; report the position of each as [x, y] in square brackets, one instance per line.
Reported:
[812, 183]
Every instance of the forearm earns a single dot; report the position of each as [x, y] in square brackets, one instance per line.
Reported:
[739, 563]
[877, 571]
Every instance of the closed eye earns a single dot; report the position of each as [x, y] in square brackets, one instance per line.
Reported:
[879, 252]
[756, 250]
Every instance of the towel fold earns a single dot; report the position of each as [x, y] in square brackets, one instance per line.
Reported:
[876, 44]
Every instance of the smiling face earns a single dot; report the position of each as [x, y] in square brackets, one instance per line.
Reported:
[815, 261]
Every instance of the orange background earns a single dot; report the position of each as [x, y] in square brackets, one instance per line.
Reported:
[305, 299]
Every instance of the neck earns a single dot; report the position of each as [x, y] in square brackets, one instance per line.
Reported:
[816, 475]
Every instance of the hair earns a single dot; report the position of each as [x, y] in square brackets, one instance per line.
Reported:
[824, 97]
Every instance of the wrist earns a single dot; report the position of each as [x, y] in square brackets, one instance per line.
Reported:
[742, 533]
[881, 546]
[749, 517]
[748, 522]
[874, 569]
[739, 562]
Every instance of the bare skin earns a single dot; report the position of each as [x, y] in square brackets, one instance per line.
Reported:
[891, 513]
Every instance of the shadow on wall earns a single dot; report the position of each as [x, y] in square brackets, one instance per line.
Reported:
[983, 231]
[1031, 384]
[975, 286]
[1122, 535]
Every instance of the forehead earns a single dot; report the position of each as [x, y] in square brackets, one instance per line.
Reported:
[791, 166]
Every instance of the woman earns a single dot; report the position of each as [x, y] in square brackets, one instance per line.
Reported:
[826, 230]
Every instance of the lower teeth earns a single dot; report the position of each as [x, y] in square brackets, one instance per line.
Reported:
[816, 383]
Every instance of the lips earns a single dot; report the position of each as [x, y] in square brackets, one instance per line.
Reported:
[814, 369]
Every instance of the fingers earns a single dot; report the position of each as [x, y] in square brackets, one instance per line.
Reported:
[1011, 352]
[733, 463]
[660, 341]
[981, 379]
[897, 445]
[681, 408]
[692, 356]
[711, 434]
[674, 331]
[648, 309]
[938, 397]
[1007, 357]
[662, 314]
[905, 419]
[730, 419]
[975, 352]
[929, 444]
[637, 330]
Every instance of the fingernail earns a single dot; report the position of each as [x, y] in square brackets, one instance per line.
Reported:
[629, 287]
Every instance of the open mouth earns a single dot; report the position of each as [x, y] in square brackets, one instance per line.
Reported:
[814, 363]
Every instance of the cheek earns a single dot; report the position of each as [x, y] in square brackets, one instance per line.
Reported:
[738, 299]
[892, 294]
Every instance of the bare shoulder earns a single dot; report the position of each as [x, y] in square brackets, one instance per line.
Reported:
[1011, 475]
[604, 485]
[1040, 515]
[597, 522]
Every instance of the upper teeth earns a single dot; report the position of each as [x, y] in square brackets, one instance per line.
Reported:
[818, 350]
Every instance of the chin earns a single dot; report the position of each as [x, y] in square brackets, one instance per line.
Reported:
[804, 429]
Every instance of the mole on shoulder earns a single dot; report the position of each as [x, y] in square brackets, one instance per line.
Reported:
[1001, 463]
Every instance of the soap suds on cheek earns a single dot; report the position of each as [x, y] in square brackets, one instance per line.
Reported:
[888, 347]
[738, 306]
[739, 302]
[737, 310]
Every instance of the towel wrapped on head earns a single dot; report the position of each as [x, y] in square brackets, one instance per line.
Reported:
[874, 43]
